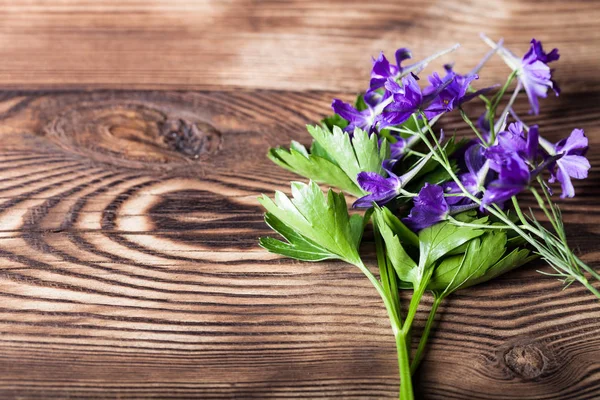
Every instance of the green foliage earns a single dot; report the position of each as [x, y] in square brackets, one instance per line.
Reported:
[388, 228]
[312, 221]
[440, 239]
[335, 159]
[480, 255]
[317, 168]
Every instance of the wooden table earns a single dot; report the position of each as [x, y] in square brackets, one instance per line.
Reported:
[133, 143]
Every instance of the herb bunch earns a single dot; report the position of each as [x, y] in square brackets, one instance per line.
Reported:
[445, 213]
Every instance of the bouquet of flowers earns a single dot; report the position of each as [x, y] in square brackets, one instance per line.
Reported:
[445, 213]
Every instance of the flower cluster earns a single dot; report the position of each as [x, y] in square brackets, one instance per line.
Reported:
[492, 169]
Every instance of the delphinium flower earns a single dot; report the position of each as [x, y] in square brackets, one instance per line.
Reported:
[571, 163]
[514, 159]
[407, 99]
[384, 91]
[365, 119]
[382, 190]
[453, 94]
[383, 70]
[431, 207]
[532, 70]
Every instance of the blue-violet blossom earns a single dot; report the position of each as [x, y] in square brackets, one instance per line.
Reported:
[572, 162]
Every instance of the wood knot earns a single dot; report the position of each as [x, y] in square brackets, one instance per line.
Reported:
[134, 134]
[190, 138]
[526, 360]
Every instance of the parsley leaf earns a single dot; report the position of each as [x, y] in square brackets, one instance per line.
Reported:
[335, 158]
[312, 221]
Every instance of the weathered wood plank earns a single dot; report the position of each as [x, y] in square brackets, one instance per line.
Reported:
[129, 266]
[293, 45]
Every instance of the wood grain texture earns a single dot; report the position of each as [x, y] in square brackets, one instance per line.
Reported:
[129, 265]
[136, 274]
[292, 45]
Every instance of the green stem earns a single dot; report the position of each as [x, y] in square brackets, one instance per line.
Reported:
[592, 289]
[466, 118]
[437, 300]
[389, 294]
[456, 222]
[542, 205]
[518, 210]
[587, 268]
[414, 304]
[495, 102]
[406, 388]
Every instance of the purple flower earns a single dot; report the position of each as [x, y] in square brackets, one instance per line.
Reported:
[572, 163]
[514, 141]
[382, 190]
[365, 120]
[451, 92]
[407, 98]
[430, 207]
[514, 177]
[535, 75]
[383, 70]
[532, 70]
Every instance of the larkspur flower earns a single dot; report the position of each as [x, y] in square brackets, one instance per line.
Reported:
[430, 207]
[453, 94]
[514, 177]
[572, 162]
[382, 190]
[383, 70]
[514, 140]
[532, 70]
[407, 98]
[365, 119]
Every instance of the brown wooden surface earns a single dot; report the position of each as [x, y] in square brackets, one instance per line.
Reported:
[128, 219]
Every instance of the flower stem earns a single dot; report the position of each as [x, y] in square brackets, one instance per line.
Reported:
[587, 284]
[437, 300]
[466, 118]
[406, 388]
[391, 299]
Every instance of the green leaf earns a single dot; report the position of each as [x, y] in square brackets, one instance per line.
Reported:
[313, 167]
[298, 246]
[401, 261]
[457, 271]
[514, 259]
[441, 238]
[335, 158]
[404, 234]
[321, 220]
[361, 153]
[317, 150]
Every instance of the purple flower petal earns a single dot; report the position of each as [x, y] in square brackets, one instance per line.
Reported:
[576, 143]
[514, 177]
[430, 207]
[535, 75]
[572, 164]
[361, 119]
[382, 190]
